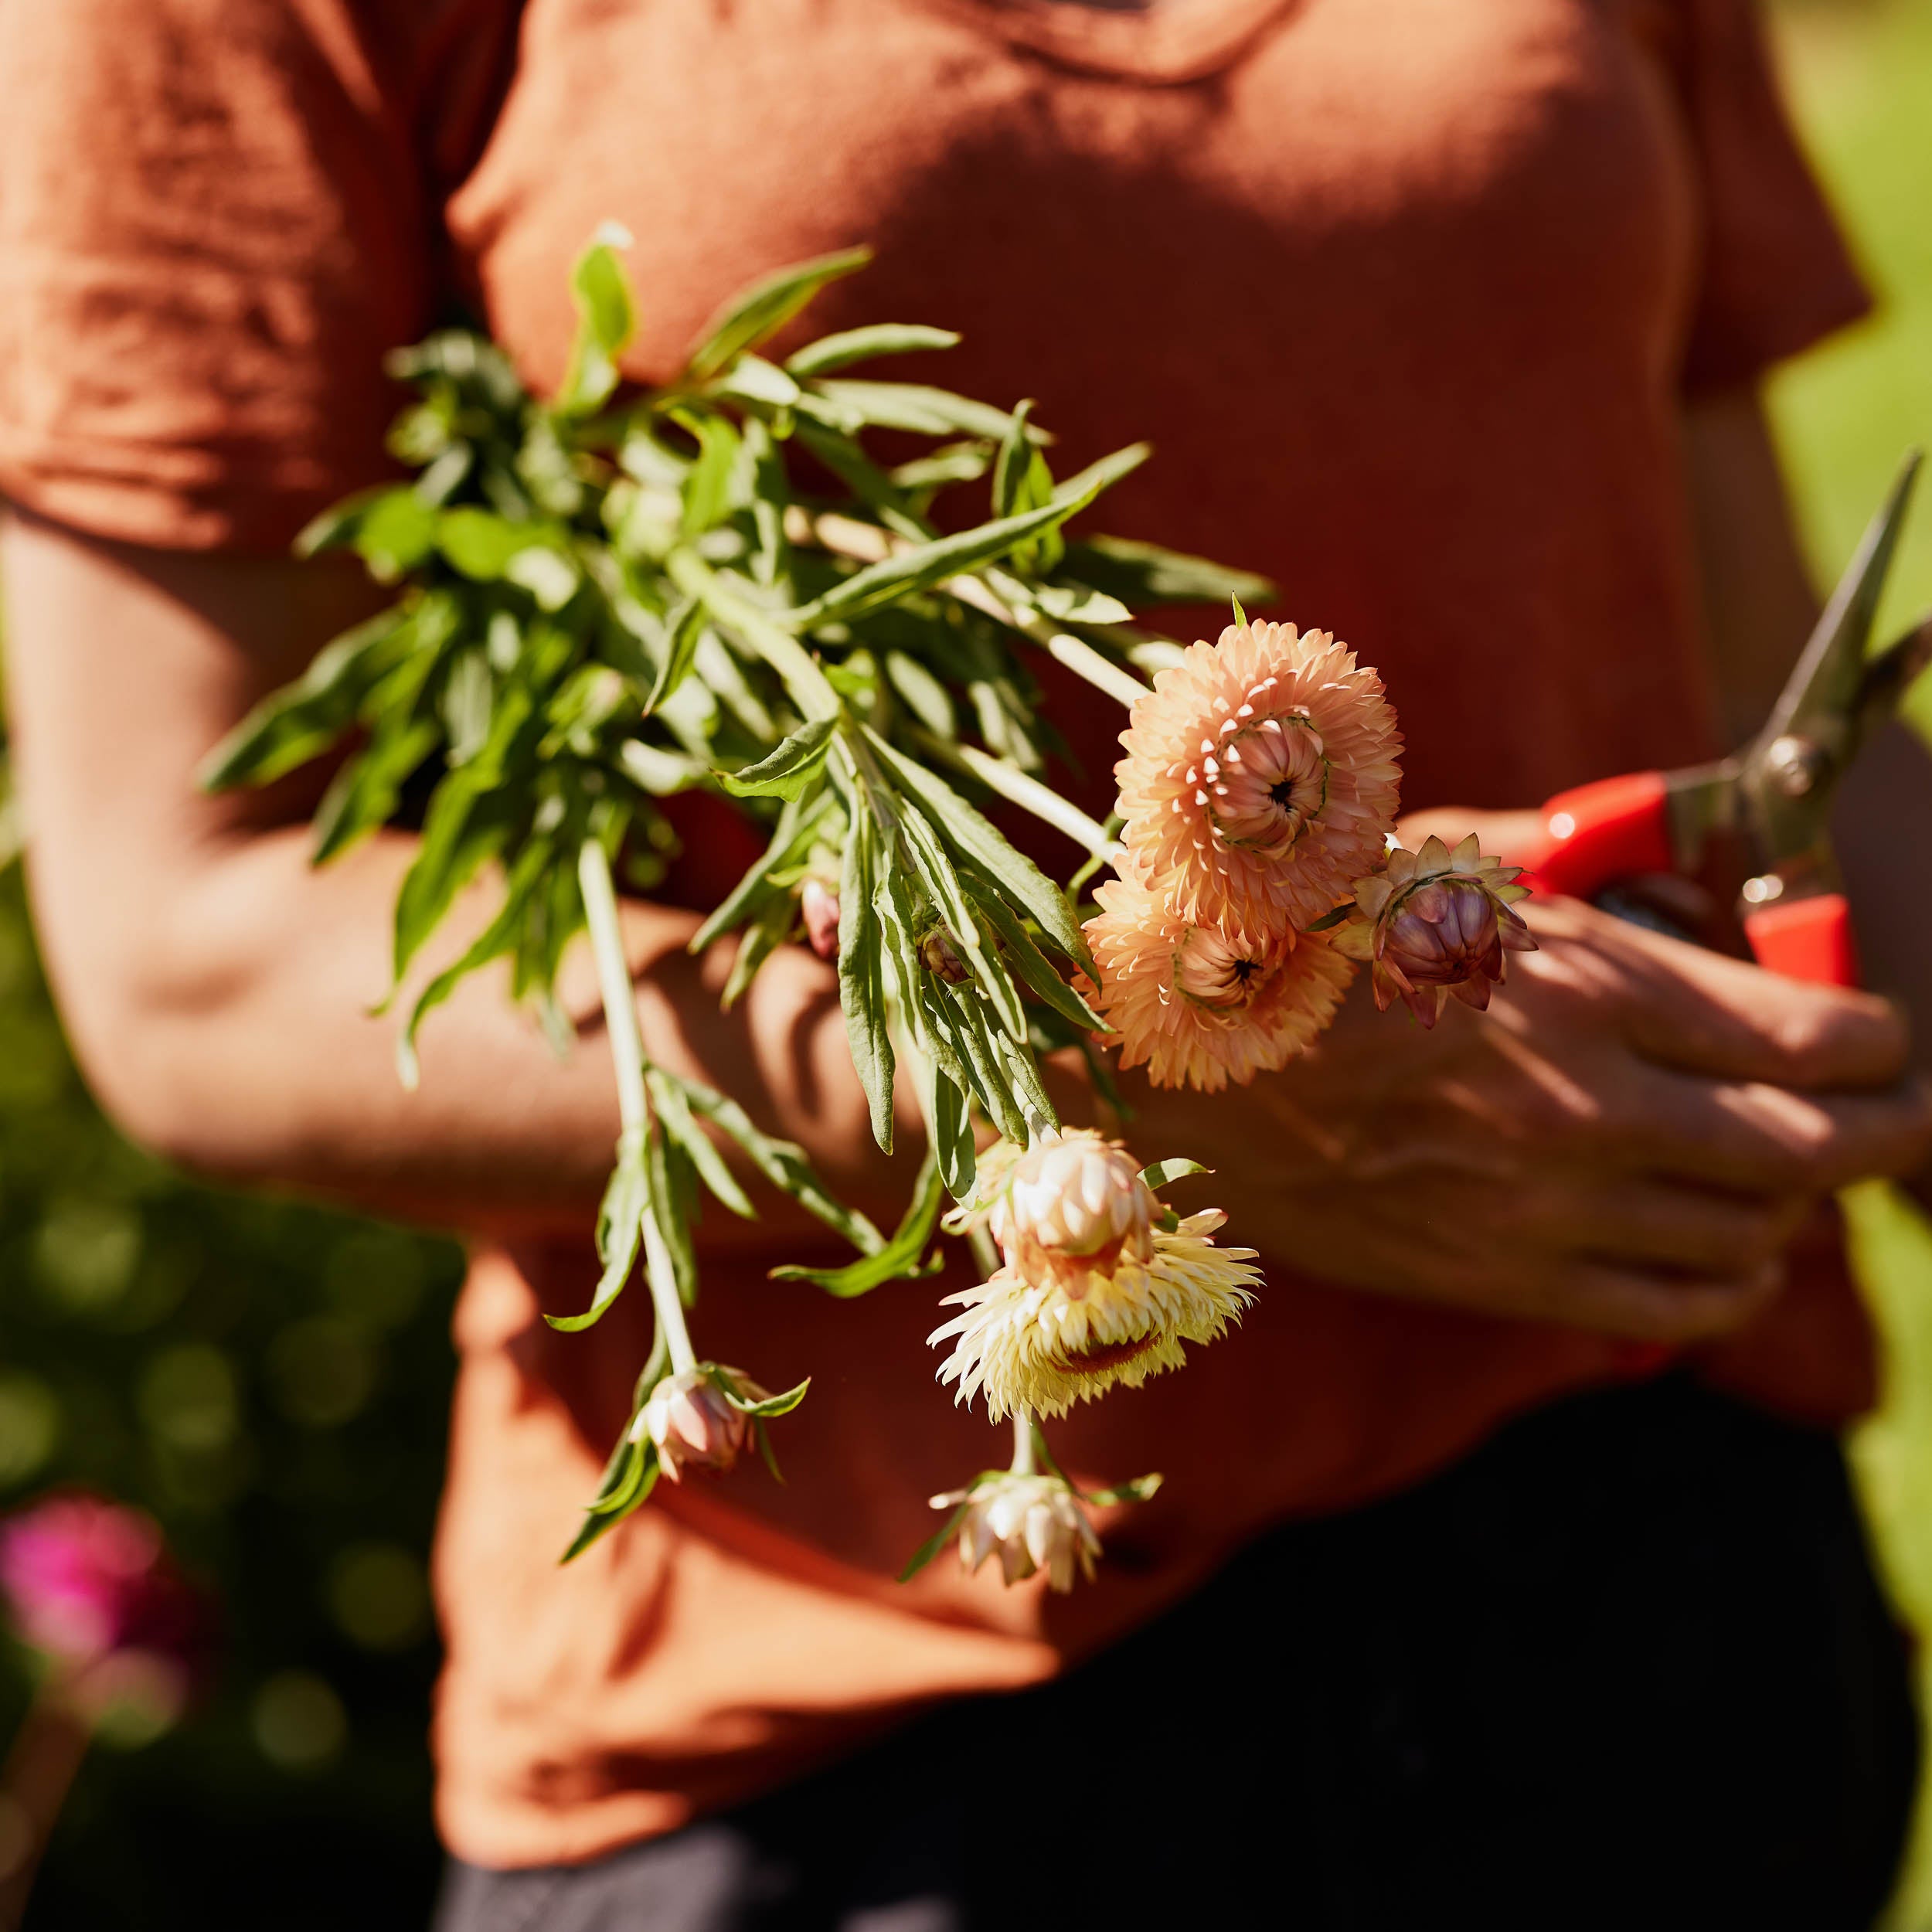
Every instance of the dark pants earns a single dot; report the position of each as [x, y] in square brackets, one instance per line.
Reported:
[1626, 1667]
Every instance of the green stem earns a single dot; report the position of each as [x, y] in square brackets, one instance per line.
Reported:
[1028, 793]
[634, 1102]
[1023, 1432]
[1084, 661]
[810, 690]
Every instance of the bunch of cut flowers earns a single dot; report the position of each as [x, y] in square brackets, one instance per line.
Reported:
[612, 595]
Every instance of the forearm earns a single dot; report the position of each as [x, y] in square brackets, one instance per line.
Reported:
[216, 986]
[237, 1040]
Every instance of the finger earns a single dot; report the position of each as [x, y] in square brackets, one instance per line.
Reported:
[1766, 1140]
[1661, 1224]
[1699, 1011]
[1644, 1304]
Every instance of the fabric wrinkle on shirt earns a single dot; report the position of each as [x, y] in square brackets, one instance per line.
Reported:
[1406, 297]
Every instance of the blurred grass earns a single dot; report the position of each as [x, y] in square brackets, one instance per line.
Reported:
[1859, 76]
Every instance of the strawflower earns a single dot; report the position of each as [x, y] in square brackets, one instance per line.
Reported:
[693, 1422]
[1046, 1346]
[1198, 1008]
[1071, 1207]
[1435, 923]
[1261, 777]
[1031, 1523]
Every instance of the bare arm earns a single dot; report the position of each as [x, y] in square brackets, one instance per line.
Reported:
[214, 985]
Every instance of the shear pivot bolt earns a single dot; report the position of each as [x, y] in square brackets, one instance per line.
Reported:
[1795, 765]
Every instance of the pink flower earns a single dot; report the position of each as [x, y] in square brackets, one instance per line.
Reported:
[694, 1423]
[1261, 777]
[86, 1580]
[1434, 923]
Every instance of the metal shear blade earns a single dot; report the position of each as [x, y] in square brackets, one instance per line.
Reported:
[1786, 778]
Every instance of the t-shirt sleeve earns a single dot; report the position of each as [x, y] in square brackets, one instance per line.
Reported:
[211, 229]
[1776, 274]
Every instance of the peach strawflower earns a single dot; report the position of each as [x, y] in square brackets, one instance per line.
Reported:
[1031, 1523]
[1434, 923]
[693, 1422]
[1046, 1348]
[1260, 778]
[1068, 1208]
[1198, 1008]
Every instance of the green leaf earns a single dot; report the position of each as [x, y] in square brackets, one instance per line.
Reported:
[366, 792]
[785, 1164]
[626, 1200]
[680, 645]
[927, 850]
[920, 566]
[391, 527]
[1015, 460]
[799, 825]
[846, 405]
[303, 719]
[673, 1208]
[635, 1477]
[496, 939]
[1241, 616]
[957, 463]
[765, 307]
[1080, 489]
[1161, 1173]
[851, 346]
[861, 990]
[781, 1405]
[1143, 575]
[785, 772]
[933, 1544]
[964, 1024]
[607, 319]
[1137, 1491]
[707, 484]
[674, 1118]
[1069, 603]
[899, 1260]
[765, 934]
[467, 824]
[1033, 965]
[975, 841]
[480, 543]
[751, 380]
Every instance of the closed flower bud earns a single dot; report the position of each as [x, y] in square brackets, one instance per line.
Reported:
[938, 954]
[1071, 1207]
[1031, 1523]
[1435, 923]
[694, 1424]
[819, 905]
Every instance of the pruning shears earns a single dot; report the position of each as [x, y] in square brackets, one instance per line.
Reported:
[1771, 802]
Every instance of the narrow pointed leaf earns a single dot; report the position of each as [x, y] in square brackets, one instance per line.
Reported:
[851, 346]
[900, 1259]
[766, 306]
[786, 772]
[1161, 1173]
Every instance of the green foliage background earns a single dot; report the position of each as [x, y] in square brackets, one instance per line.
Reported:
[272, 1380]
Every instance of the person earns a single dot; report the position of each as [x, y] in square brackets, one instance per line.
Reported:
[1451, 320]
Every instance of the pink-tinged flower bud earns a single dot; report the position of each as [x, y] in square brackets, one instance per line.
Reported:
[819, 905]
[938, 954]
[91, 1583]
[694, 1424]
[1032, 1522]
[1435, 923]
[1072, 1206]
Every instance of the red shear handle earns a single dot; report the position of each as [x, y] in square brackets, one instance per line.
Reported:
[1806, 939]
[1600, 833]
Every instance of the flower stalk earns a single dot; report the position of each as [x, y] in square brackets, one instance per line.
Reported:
[633, 1100]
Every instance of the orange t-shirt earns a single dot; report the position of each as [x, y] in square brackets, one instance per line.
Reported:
[1407, 293]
